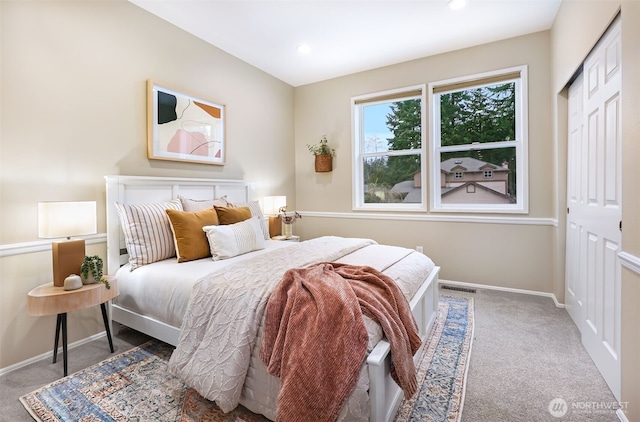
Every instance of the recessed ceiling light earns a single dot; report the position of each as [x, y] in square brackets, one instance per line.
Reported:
[456, 4]
[304, 48]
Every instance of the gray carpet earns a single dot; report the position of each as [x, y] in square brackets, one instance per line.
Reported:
[525, 353]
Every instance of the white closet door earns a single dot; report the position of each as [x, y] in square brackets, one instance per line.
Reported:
[595, 208]
[574, 288]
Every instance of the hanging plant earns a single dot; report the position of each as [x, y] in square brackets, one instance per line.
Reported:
[321, 148]
[324, 155]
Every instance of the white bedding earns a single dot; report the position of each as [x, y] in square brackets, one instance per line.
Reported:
[162, 290]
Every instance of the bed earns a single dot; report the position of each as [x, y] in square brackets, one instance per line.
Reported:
[154, 297]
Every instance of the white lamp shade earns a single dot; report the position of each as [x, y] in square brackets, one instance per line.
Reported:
[272, 204]
[66, 219]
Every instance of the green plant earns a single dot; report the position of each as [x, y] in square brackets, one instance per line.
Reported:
[321, 148]
[93, 264]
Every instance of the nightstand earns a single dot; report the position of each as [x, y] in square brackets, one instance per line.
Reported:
[48, 299]
[286, 239]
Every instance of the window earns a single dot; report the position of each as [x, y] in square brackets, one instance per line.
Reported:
[478, 129]
[389, 150]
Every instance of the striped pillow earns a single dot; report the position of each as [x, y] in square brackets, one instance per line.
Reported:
[256, 211]
[226, 241]
[147, 231]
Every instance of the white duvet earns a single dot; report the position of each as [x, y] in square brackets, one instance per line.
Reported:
[220, 336]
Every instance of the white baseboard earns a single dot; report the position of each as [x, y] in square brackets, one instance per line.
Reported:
[620, 414]
[503, 289]
[48, 355]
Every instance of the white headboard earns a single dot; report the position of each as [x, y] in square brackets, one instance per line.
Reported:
[147, 189]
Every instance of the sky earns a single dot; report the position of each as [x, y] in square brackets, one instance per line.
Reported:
[375, 125]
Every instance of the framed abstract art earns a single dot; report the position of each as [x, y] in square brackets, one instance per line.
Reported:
[183, 127]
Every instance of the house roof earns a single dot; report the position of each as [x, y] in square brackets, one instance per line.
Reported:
[479, 186]
[468, 164]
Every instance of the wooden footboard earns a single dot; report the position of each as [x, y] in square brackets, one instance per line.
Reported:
[384, 394]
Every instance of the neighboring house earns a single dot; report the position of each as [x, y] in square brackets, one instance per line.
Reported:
[465, 180]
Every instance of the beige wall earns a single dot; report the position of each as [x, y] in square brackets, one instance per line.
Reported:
[74, 109]
[512, 255]
[577, 28]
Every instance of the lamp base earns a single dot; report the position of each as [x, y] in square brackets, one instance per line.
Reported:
[67, 259]
[275, 225]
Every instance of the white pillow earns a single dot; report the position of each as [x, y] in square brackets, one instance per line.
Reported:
[147, 231]
[227, 241]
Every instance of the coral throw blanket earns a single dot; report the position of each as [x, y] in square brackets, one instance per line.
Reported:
[309, 309]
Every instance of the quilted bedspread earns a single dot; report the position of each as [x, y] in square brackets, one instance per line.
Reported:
[225, 311]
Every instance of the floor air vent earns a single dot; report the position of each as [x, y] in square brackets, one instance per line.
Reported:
[458, 289]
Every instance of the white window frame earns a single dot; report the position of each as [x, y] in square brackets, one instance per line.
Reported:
[521, 142]
[358, 154]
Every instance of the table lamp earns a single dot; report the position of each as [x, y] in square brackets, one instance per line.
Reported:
[271, 207]
[66, 219]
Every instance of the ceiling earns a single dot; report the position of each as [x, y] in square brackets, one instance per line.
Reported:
[347, 36]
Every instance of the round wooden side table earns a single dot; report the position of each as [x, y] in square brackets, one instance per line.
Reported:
[48, 299]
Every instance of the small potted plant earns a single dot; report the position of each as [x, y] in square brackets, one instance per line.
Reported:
[91, 271]
[324, 155]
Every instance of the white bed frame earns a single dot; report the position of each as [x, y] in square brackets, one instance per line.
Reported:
[384, 394]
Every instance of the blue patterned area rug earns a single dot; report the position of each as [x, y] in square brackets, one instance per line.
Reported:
[442, 371]
[136, 385]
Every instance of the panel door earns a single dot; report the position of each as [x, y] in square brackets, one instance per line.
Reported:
[595, 208]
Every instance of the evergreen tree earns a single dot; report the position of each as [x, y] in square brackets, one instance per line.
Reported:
[404, 121]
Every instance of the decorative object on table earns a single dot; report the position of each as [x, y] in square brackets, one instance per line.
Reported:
[441, 367]
[287, 221]
[73, 282]
[91, 270]
[66, 219]
[271, 206]
[184, 127]
[323, 155]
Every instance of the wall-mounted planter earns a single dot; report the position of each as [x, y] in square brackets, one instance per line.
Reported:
[324, 163]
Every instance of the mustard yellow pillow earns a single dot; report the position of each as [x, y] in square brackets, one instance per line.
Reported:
[191, 242]
[232, 215]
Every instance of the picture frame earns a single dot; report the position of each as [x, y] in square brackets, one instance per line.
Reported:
[184, 127]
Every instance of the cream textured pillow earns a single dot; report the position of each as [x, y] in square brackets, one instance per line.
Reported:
[202, 204]
[227, 241]
[147, 231]
[256, 211]
[191, 242]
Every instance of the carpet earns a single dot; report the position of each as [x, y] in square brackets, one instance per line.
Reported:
[136, 384]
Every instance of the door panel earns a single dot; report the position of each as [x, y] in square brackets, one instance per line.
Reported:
[594, 189]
